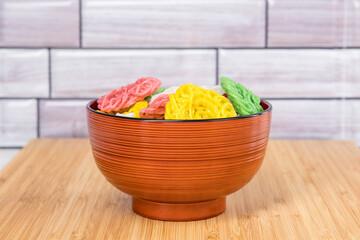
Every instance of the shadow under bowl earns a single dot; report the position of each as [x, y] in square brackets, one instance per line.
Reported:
[178, 170]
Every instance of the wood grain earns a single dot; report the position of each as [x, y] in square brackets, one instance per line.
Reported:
[39, 23]
[24, 73]
[173, 23]
[304, 190]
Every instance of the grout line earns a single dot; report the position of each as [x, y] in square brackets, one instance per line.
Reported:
[80, 24]
[288, 48]
[50, 72]
[74, 98]
[217, 67]
[11, 147]
[37, 48]
[186, 48]
[38, 118]
[266, 23]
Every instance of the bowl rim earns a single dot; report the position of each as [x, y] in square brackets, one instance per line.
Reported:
[269, 109]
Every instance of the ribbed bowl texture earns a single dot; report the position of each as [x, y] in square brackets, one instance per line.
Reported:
[178, 169]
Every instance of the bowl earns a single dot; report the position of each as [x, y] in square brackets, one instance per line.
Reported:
[178, 170]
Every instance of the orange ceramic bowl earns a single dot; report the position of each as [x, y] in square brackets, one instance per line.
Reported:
[178, 169]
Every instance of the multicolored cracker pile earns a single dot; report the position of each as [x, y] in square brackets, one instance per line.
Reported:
[147, 99]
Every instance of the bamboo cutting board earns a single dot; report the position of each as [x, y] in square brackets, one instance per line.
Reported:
[305, 190]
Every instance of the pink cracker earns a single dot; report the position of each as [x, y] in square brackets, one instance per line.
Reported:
[157, 108]
[128, 95]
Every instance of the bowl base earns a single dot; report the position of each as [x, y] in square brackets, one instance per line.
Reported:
[178, 212]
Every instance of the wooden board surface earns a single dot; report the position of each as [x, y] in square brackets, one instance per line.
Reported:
[305, 189]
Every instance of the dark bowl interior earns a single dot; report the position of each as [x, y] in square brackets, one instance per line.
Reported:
[93, 106]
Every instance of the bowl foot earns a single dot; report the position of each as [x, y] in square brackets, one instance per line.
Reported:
[179, 212]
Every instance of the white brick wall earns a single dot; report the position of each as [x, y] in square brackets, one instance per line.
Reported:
[179, 23]
[24, 73]
[304, 56]
[18, 122]
[39, 23]
[92, 73]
